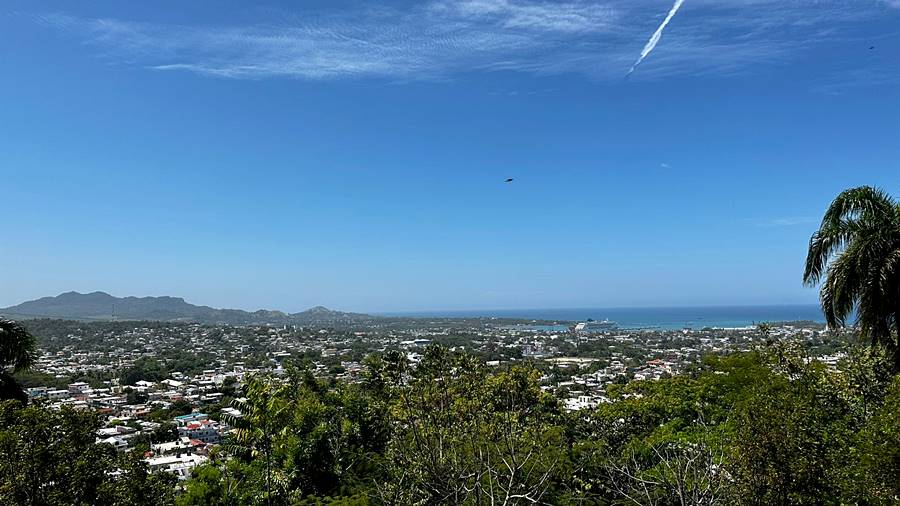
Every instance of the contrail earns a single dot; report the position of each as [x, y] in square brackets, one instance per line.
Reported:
[656, 35]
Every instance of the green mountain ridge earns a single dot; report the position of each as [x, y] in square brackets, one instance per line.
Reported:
[103, 306]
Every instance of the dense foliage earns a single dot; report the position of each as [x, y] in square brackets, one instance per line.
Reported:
[765, 427]
[768, 427]
[50, 457]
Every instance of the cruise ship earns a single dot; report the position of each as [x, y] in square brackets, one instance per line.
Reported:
[594, 326]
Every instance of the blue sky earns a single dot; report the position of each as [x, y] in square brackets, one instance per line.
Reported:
[287, 154]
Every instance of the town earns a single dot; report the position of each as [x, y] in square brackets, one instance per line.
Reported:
[167, 390]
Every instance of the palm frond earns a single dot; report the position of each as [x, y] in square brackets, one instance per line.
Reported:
[842, 223]
[864, 202]
[17, 346]
[10, 389]
[855, 255]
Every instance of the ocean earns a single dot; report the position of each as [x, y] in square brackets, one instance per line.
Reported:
[664, 318]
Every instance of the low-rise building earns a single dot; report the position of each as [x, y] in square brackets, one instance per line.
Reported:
[179, 465]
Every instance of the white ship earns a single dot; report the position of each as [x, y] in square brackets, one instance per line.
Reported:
[594, 326]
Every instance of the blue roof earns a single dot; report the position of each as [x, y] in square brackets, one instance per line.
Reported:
[192, 415]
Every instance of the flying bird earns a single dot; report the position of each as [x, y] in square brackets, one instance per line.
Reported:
[654, 39]
[871, 48]
[509, 180]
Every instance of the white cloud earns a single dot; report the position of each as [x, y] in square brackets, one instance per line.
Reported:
[556, 16]
[419, 45]
[443, 38]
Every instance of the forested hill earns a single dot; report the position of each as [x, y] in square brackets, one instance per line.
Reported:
[103, 306]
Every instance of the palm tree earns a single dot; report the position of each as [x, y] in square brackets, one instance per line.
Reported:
[260, 428]
[856, 255]
[17, 352]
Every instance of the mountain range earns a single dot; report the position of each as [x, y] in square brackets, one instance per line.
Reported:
[103, 306]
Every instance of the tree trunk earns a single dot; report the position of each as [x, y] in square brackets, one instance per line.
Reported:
[894, 342]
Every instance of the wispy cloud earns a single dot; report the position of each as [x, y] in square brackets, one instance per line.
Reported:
[556, 16]
[430, 43]
[786, 222]
[444, 38]
[842, 82]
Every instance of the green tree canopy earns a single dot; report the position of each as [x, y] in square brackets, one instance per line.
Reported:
[49, 457]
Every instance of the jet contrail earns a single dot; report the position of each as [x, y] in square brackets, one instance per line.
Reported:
[656, 35]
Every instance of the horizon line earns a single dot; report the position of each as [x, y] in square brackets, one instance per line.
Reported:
[431, 311]
[705, 306]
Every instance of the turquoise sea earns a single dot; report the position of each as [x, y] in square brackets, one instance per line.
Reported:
[650, 317]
